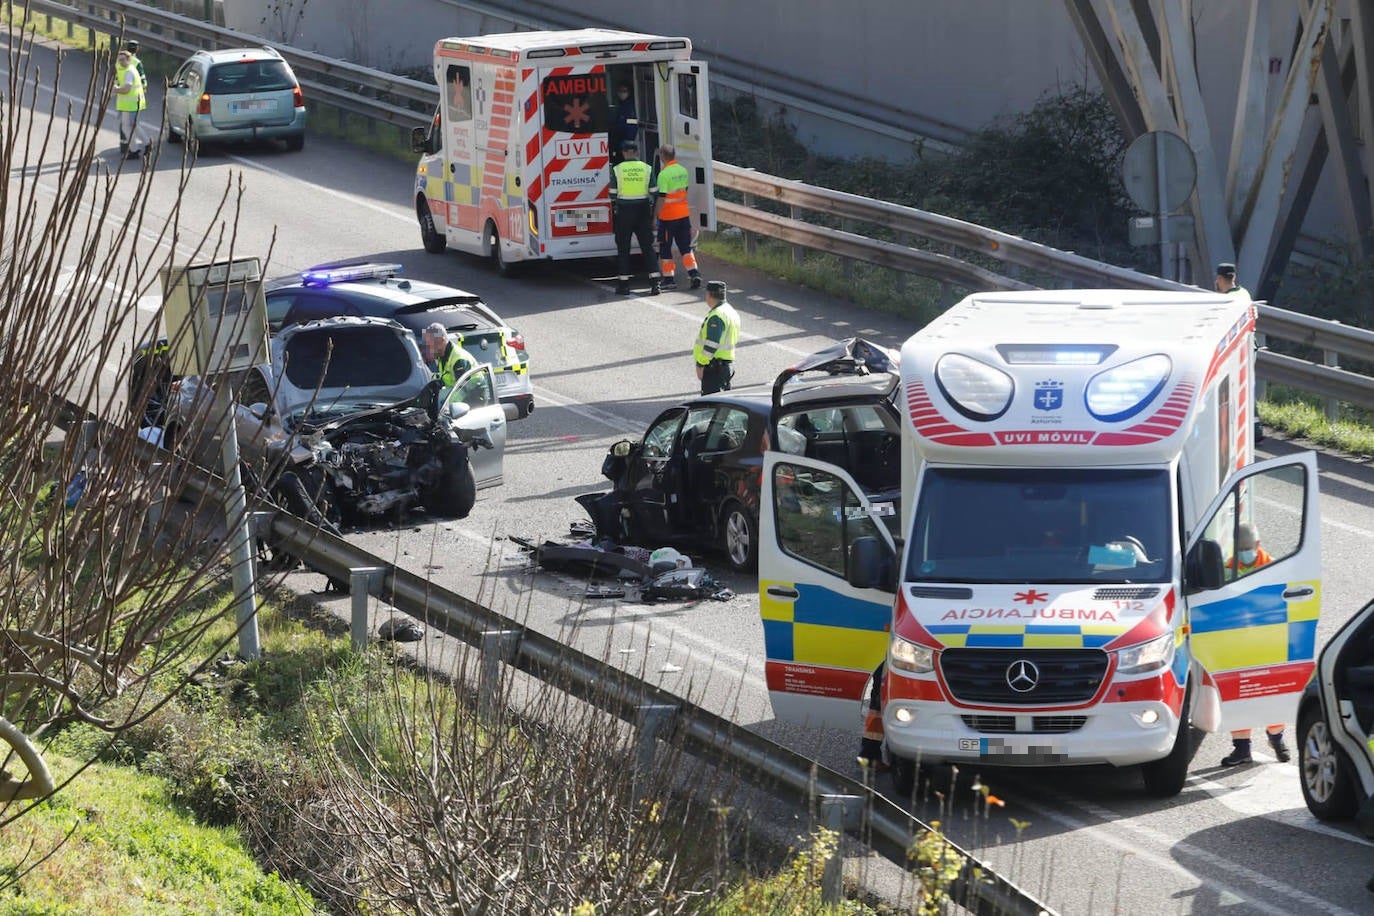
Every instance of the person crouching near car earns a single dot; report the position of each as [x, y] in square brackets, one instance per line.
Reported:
[447, 355]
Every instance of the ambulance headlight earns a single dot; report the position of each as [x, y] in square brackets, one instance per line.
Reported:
[909, 657]
[1124, 391]
[1148, 656]
[977, 390]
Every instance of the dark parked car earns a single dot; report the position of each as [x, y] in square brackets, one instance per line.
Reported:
[1336, 723]
[694, 478]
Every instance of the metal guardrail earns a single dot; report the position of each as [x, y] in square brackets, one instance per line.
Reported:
[408, 103]
[890, 830]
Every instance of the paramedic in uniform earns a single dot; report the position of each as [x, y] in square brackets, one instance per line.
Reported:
[449, 358]
[1249, 557]
[674, 218]
[714, 353]
[632, 216]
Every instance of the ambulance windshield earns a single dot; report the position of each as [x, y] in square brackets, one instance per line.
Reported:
[1002, 525]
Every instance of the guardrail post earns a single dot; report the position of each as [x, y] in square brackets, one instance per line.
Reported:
[650, 719]
[798, 251]
[498, 647]
[1261, 386]
[751, 244]
[838, 813]
[361, 580]
[847, 225]
[1333, 405]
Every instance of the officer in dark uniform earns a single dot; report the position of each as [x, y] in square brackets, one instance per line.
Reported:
[632, 215]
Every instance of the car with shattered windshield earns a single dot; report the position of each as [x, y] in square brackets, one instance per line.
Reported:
[693, 479]
[348, 414]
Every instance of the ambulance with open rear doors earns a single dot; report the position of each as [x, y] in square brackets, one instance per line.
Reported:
[1056, 584]
[516, 165]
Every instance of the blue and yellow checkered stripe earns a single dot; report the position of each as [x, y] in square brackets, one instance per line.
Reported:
[1257, 628]
[463, 188]
[1024, 635]
[821, 627]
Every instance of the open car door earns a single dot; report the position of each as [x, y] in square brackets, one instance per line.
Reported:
[1256, 632]
[688, 128]
[823, 637]
[485, 415]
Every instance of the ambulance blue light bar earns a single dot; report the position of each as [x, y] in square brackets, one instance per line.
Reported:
[327, 275]
[1055, 354]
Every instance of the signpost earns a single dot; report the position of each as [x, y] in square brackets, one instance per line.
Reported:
[1160, 172]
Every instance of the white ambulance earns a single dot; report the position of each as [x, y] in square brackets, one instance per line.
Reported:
[1057, 584]
[516, 165]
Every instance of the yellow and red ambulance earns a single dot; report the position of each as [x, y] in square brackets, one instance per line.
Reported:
[516, 165]
[1060, 583]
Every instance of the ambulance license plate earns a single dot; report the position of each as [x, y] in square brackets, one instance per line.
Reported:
[578, 218]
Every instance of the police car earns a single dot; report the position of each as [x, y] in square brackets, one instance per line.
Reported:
[370, 290]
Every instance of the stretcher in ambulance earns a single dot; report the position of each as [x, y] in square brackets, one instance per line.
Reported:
[516, 165]
[1076, 465]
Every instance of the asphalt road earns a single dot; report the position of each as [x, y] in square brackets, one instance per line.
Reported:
[603, 366]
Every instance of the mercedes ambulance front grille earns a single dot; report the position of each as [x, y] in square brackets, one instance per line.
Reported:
[1023, 677]
[1040, 725]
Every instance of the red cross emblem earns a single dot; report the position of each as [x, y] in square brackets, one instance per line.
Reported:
[1031, 597]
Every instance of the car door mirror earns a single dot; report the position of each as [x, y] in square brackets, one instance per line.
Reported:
[1206, 568]
[872, 565]
[458, 409]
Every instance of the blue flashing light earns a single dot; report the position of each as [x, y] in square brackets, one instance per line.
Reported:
[328, 275]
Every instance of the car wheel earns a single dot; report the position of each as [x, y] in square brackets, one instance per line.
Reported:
[503, 267]
[1327, 784]
[293, 494]
[172, 135]
[739, 537]
[1165, 778]
[456, 491]
[192, 141]
[295, 143]
[150, 384]
[434, 240]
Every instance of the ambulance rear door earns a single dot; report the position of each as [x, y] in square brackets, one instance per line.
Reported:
[823, 637]
[688, 128]
[574, 177]
[1255, 632]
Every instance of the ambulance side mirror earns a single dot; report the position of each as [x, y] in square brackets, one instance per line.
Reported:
[872, 565]
[421, 141]
[1205, 568]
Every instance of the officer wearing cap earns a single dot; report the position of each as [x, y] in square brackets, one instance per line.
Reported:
[132, 47]
[714, 353]
[1226, 280]
[632, 215]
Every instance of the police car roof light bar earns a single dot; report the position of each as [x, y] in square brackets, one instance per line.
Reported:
[325, 276]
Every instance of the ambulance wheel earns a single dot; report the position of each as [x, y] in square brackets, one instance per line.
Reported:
[503, 267]
[1327, 786]
[904, 776]
[434, 240]
[739, 537]
[1164, 778]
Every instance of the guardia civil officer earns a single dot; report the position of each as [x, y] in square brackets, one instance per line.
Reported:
[632, 215]
[1226, 281]
[447, 354]
[714, 353]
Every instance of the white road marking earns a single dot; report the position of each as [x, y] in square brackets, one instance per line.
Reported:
[1272, 791]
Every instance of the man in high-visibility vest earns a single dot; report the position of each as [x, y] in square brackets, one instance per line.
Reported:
[130, 99]
[714, 353]
[632, 215]
[674, 218]
[1226, 281]
[449, 358]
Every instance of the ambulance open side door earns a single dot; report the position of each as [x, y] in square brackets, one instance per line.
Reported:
[823, 637]
[688, 128]
[1254, 627]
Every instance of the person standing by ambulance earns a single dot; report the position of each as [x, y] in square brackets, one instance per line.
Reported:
[674, 219]
[1248, 557]
[1226, 281]
[632, 216]
[130, 99]
[714, 353]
